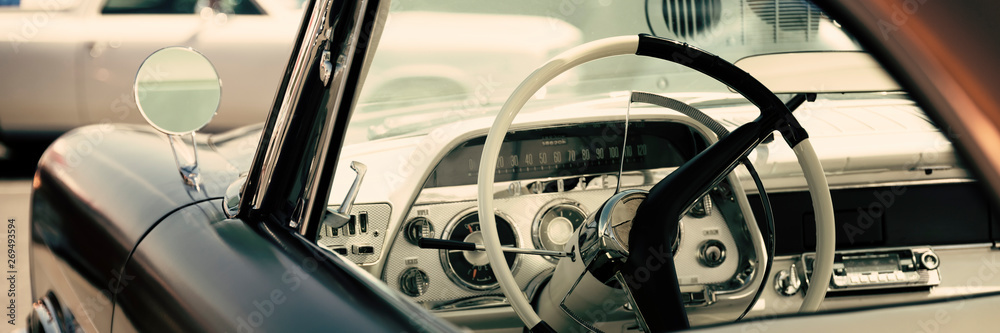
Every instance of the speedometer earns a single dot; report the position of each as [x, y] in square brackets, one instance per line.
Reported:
[471, 269]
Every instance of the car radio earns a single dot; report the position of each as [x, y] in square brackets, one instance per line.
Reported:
[879, 269]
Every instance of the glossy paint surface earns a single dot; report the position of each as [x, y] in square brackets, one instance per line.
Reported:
[198, 271]
[97, 191]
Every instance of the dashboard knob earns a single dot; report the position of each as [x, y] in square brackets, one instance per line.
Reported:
[929, 260]
[413, 282]
[786, 282]
[712, 253]
[702, 208]
[418, 228]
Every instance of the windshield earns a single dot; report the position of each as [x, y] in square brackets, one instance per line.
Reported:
[468, 56]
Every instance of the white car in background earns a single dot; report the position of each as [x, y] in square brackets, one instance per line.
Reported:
[68, 63]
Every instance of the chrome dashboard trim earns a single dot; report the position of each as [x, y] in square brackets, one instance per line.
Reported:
[961, 246]
[872, 185]
[437, 195]
[471, 303]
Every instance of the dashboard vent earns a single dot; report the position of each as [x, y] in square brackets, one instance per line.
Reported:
[786, 20]
[689, 18]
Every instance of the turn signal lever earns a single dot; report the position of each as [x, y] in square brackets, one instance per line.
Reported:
[337, 218]
[447, 244]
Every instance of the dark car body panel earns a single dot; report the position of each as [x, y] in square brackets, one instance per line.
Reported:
[198, 271]
[97, 191]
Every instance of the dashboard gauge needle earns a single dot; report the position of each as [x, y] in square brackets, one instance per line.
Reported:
[621, 164]
[473, 273]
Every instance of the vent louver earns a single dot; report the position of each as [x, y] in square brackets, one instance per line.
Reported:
[788, 20]
[689, 18]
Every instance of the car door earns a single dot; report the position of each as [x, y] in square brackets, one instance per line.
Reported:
[38, 83]
[247, 44]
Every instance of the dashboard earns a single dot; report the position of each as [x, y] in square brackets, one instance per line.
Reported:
[576, 150]
[554, 172]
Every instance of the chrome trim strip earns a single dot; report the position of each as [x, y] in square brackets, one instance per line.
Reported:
[871, 185]
[344, 62]
[795, 257]
[290, 99]
[961, 246]
[438, 195]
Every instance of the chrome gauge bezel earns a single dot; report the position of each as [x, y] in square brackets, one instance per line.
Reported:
[537, 222]
[446, 264]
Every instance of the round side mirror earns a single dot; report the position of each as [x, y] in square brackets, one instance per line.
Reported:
[177, 90]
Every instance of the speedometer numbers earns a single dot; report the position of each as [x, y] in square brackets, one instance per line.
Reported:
[471, 269]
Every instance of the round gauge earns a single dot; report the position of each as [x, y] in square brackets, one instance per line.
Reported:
[471, 269]
[555, 225]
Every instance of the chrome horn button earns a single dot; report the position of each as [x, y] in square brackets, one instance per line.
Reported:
[606, 232]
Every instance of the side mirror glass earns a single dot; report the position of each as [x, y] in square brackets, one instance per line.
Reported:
[177, 90]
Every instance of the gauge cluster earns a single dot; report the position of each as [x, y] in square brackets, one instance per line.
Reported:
[543, 205]
[596, 148]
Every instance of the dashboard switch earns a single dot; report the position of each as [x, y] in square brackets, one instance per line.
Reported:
[363, 221]
[417, 228]
[352, 225]
[786, 282]
[340, 250]
[413, 282]
[362, 249]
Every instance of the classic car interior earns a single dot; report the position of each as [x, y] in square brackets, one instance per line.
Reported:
[891, 193]
[911, 222]
[714, 161]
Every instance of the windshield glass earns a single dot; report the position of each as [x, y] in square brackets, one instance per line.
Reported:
[468, 56]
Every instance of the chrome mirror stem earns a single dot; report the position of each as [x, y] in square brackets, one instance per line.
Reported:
[187, 162]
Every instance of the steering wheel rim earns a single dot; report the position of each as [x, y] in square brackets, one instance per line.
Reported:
[641, 45]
